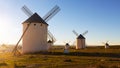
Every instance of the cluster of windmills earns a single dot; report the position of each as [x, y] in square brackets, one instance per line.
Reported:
[36, 37]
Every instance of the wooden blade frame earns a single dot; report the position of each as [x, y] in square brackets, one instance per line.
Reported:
[75, 33]
[51, 37]
[85, 32]
[27, 11]
[51, 13]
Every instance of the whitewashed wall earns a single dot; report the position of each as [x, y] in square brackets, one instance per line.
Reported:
[80, 43]
[35, 38]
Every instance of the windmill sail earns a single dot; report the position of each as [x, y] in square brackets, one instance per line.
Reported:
[27, 11]
[75, 33]
[51, 37]
[85, 32]
[51, 13]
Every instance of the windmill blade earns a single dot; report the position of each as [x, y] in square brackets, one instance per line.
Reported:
[66, 42]
[27, 11]
[69, 41]
[85, 32]
[51, 13]
[50, 35]
[75, 33]
[107, 41]
[103, 43]
[51, 38]
[74, 42]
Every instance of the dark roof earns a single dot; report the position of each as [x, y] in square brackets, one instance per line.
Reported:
[35, 18]
[80, 37]
[67, 44]
[49, 41]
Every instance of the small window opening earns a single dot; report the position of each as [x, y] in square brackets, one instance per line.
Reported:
[40, 24]
[34, 24]
[28, 24]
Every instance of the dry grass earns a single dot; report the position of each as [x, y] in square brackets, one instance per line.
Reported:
[92, 57]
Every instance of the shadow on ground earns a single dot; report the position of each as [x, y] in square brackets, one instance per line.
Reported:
[95, 54]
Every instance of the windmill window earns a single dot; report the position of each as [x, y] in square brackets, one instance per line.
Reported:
[28, 24]
[34, 24]
[40, 24]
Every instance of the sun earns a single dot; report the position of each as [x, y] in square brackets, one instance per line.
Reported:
[4, 29]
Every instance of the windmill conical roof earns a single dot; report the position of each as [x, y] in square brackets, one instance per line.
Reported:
[80, 37]
[35, 18]
[49, 41]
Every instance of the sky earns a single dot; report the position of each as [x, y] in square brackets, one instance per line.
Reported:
[100, 17]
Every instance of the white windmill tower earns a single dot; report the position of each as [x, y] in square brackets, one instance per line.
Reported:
[67, 46]
[80, 40]
[106, 44]
[35, 32]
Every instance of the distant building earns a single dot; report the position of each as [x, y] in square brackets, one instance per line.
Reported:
[67, 46]
[80, 42]
[49, 45]
[106, 45]
[66, 50]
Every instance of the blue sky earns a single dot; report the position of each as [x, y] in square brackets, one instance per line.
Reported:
[100, 17]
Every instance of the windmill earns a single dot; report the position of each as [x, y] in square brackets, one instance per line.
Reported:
[35, 19]
[46, 18]
[80, 40]
[67, 45]
[106, 44]
[66, 50]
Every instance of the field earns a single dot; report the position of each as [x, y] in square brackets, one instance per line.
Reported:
[90, 57]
